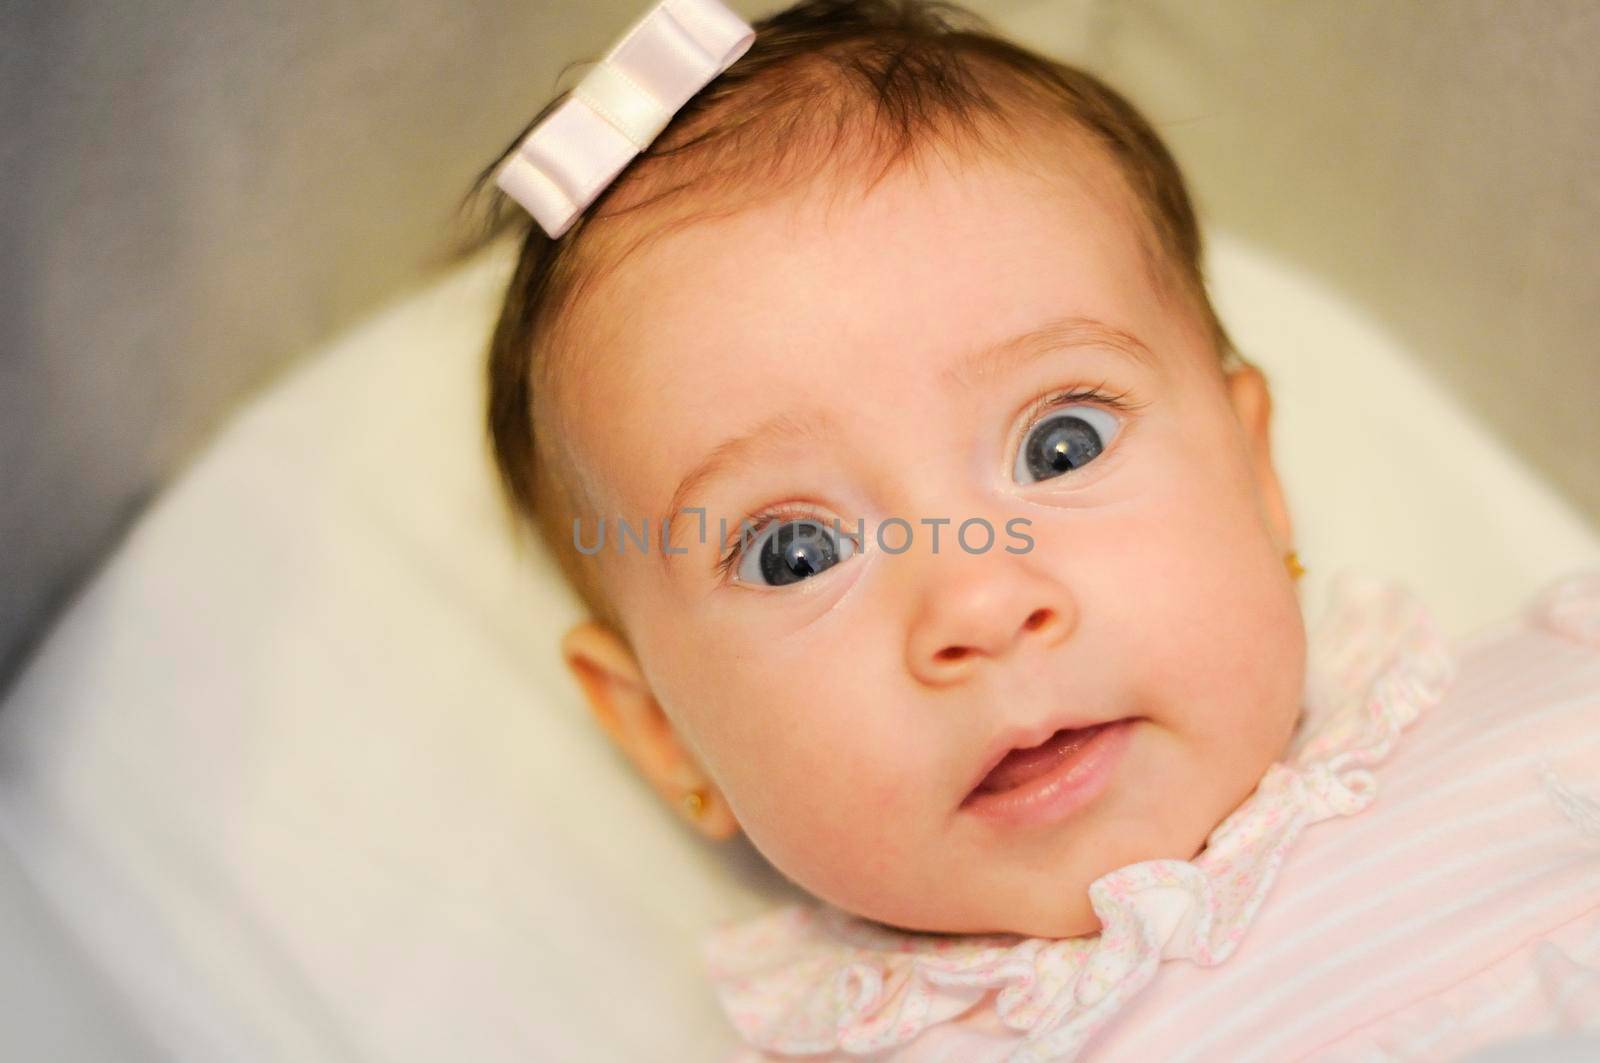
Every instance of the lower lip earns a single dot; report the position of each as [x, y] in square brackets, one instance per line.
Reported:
[1078, 779]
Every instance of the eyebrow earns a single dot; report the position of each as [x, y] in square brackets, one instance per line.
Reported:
[786, 428]
[777, 431]
[1051, 336]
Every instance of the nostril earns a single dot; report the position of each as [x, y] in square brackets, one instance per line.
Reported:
[1037, 619]
[952, 653]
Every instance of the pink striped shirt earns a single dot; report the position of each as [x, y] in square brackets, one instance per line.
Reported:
[1461, 908]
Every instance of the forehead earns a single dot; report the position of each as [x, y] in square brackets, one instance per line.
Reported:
[837, 300]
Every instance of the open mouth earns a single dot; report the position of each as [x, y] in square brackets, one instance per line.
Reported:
[1049, 780]
[1021, 766]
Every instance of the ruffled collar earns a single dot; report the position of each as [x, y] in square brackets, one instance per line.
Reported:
[809, 979]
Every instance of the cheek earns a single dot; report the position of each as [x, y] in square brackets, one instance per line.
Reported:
[1234, 661]
[1209, 623]
[831, 804]
[1206, 539]
[813, 764]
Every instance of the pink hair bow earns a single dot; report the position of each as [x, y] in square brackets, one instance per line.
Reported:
[620, 106]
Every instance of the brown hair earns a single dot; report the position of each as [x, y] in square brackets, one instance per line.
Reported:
[827, 85]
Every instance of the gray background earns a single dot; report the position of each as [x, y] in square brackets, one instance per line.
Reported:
[196, 193]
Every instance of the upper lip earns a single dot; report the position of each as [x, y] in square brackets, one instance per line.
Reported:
[1024, 738]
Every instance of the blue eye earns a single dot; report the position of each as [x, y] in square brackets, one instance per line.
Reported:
[789, 551]
[1063, 441]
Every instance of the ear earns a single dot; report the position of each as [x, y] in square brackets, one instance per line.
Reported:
[620, 699]
[1252, 404]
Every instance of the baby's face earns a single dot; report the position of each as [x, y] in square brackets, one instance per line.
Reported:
[845, 700]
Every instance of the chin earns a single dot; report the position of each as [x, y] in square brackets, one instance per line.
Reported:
[1070, 920]
[1074, 920]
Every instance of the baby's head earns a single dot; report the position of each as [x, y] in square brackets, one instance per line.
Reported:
[895, 274]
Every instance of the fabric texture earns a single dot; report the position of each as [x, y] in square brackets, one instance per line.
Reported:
[1367, 952]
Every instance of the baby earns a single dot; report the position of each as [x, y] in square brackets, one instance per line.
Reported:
[927, 518]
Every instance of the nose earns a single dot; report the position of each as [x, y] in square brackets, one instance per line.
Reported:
[981, 608]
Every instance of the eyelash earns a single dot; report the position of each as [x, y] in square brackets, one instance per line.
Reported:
[762, 519]
[1073, 396]
[759, 522]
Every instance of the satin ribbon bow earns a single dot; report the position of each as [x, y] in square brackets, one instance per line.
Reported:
[620, 106]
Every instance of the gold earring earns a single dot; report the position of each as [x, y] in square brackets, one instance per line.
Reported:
[1292, 561]
[694, 802]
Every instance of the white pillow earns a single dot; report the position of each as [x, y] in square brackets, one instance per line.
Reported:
[303, 773]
